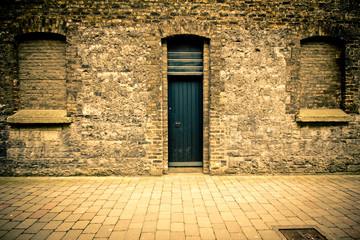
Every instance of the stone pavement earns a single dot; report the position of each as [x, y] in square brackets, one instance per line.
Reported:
[178, 206]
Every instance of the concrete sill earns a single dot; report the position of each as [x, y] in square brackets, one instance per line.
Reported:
[322, 115]
[40, 117]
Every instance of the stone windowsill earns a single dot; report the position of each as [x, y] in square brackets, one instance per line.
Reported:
[39, 117]
[323, 115]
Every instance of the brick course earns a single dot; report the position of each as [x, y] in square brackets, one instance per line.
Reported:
[116, 86]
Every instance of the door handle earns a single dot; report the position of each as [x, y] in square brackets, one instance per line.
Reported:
[177, 124]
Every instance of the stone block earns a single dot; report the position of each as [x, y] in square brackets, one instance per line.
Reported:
[323, 115]
[39, 117]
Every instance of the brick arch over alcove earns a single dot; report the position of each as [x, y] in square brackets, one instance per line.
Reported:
[41, 24]
[338, 34]
[182, 26]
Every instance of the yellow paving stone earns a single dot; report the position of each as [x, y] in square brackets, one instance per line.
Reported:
[147, 236]
[209, 203]
[227, 216]
[149, 226]
[296, 221]
[259, 224]
[104, 231]
[80, 225]
[73, 217]
[71, 207]
[215, 218]
[36, 227]
[138, 218]
[189, 210]
[207, 233]
[65, 226]
[80, 210]
[127, 214]
[162, 235]
[192, 238]
[243, 221]
[26, 223]
[203, 222]
[278, 216]
[188, 203]
[246, 207]
[98, 219]
[267, 218]
[115, 213]
[252, 215]
[151, 216]
[92, 228]
[72, 234]
[110, 220]
[93, 209]
[122, 225]
[52, 225]
[222, 234]
[191, 230]
[190, 218]
[177, 235]
[177, 227]
[103, 212]
[250, 232]
[212, 209]
[223, 207]
[56, 209]
[163, 224]
[233, 205]
[269, 235]
[165, 207]
[137, 225]
[337, 233]
[42, 234]
[176, 208]
[153, 208]
[177, 217]
[132, 234]
[288, 213]
[233, 226]
[56, 236]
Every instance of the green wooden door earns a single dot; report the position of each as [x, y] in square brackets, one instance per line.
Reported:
[185, 121]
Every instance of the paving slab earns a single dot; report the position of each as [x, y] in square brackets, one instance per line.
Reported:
[178, 206]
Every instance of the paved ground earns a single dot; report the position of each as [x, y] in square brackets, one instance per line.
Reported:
[178, 206]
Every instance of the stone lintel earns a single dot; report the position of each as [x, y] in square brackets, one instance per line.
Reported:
[26, 116]
[323, 115]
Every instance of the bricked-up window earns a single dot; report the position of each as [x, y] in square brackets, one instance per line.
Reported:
[321, 73]
[42, 74]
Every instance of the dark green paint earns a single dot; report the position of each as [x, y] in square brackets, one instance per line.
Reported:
[185, 120]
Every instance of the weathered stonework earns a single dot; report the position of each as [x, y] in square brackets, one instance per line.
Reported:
[115, 84]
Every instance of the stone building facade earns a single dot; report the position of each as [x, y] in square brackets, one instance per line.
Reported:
[85, 85]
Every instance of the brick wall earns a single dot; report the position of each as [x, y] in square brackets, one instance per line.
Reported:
[42, 74]
[321, 80]
[116, 86]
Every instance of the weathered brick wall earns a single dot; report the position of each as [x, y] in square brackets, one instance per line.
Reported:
[111, 122]
[321, 75]
[42, 74]
[35, 150]
[116, 86]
